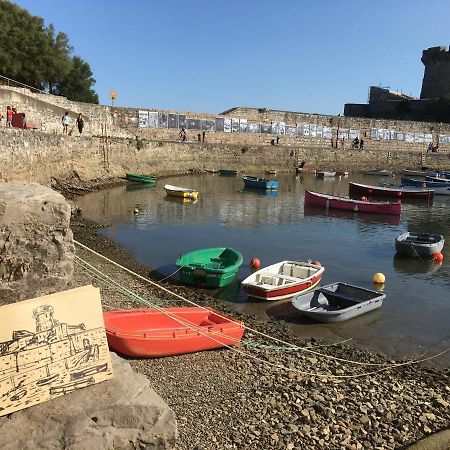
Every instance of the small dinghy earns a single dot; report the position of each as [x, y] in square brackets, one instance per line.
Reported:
[337, 302]
[152, 333]
[283, 280]
[325, 174]
[419, 245]
[259, 183]
[182, 192]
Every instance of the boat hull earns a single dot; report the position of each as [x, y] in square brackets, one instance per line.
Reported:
[378, 173]
[425, 184]
[269, 284]
[337, 302]
[325, 174]
[418, 245]
[151, 333]
[260, 183]
[357, 188]
[304, 170]
[147, 179]
[330, 201]
[210, 268]
[181, 192]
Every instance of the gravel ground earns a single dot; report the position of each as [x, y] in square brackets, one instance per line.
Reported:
[238, 399]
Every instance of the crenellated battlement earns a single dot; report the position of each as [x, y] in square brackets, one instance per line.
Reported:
[436, 79]
[433, 55]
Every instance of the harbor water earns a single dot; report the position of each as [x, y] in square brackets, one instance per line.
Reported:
[274, 226]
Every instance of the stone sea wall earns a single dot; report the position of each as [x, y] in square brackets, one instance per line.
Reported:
[28, 155]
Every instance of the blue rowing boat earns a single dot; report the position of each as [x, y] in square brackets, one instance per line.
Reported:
[259, 183]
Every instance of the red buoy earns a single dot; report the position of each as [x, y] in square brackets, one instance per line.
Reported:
[438, 257]
[364, 199]
[255, 263]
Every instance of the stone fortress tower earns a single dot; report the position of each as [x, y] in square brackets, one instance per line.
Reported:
[436, 79]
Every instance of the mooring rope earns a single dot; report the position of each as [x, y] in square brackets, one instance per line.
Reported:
[385, 366]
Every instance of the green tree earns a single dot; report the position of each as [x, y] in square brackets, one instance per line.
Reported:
[33, 54]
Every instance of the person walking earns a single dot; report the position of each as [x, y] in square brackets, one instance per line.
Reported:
[65, 122]
[183, 134]
[80, 123]
[9, 116]
[203, 136]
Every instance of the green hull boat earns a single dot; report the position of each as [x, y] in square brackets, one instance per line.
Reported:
[228, 172]
[209, 267]
[148, 179]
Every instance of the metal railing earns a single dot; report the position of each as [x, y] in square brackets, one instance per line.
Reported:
[13, 83]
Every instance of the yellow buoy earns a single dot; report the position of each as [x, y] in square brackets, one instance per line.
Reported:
[136, 210]
[379, 278]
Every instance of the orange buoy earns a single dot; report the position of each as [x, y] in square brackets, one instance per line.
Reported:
[317, 263]
[364, 199]
[438, 257]
[255, 263]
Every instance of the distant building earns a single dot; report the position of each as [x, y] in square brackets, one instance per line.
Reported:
[386, 104]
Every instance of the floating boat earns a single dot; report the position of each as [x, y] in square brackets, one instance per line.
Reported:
[444, 190]
[378, 173]
[259, 183]
[148, 179]
[282, 280]
[228, 172]
[348, 204]
[152, 333]
[419, 245]
[389, 191]
[424, 184]
[18, 395]
[437, 179]
[325, 174]
[337, 302]
[210, 267]
[419, 173]
[177, 191]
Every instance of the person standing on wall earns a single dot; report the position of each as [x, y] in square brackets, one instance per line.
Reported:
[80, 123]
[203, 136]
[183, 134]
[9, 116]
[65, 122]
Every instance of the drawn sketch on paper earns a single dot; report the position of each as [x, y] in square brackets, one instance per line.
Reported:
[50, 346]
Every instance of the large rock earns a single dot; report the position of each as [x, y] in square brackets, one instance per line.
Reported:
[121, 413]
[36, 243]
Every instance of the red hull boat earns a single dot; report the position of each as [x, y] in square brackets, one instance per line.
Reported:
[152, 333]
[348, 204]
[390, 191]
[283, 280]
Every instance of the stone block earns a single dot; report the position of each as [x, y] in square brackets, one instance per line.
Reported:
[36, 243]
[121, 413]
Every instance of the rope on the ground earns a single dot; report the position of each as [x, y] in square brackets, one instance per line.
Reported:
[384, 365]
[258, 345]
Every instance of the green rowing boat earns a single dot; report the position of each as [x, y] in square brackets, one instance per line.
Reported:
[149, 179]
[209, 267]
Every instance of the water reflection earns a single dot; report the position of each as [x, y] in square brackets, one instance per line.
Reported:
[139, 187]
[311, 210]
[403, 264]
[269, 192]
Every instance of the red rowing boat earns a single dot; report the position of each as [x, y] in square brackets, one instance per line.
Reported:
[152, 333]
[390, 191]
[283, 280]
[348, 204]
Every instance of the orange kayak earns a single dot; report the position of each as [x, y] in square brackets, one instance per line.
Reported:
[152, 333]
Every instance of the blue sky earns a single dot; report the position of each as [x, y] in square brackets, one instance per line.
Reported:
[208, 55]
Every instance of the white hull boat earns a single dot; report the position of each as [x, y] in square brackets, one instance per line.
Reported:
[283, 280]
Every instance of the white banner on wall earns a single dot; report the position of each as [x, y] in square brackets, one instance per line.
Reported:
[305, 130]
[227, 125]
[143, 119]
[313, 130]
[153, 119]
[327, 133]
[409, 137]
[243, 125]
